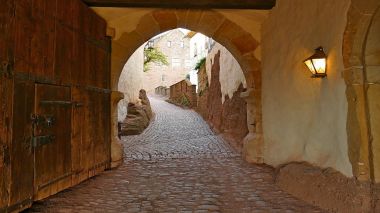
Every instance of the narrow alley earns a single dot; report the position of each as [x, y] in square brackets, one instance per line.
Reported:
[177, 165]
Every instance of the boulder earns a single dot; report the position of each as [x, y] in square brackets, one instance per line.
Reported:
[138, 117]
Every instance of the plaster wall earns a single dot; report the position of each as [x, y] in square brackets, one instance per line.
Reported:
[131, 81]
[304, 119]
[231, 74]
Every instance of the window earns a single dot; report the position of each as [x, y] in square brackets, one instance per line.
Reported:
[182, 44]
[169, 44]
[195, 50]
[150, 44]
[176, 62]
[187, 63]
[163, 77]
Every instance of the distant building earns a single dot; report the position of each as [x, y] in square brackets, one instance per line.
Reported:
[199, 48]
[176, 47]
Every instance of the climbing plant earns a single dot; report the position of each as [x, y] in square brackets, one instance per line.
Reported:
[200, 63]
[154, 55]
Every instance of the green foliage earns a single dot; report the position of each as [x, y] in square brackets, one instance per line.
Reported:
[200, 63]
[154, 55]
[200, 94]
[183, 100]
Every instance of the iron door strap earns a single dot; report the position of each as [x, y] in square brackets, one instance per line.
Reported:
[6, 68]
[61, 103]
[43, 120]
[4, 155]
[38, 141]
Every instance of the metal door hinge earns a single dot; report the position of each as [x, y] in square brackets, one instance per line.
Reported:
[78, 104]
[4, 155]
[43, 120]
[6, 69]
[38, 141]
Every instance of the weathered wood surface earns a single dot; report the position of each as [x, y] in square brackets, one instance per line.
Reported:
[57, 51]
[6, 93]
[21, 152]
[53, 160]
[200, 4]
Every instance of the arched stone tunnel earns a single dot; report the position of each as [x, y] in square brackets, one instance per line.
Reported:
[61, 61]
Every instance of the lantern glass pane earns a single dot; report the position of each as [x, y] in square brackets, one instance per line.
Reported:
[309, 64]
[320, 65]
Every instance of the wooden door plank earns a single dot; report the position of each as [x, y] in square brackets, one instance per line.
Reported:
[80, 172]
[53, 160]
[21, 155]
[6, 93]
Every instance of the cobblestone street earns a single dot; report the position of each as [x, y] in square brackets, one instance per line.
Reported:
[177, 165]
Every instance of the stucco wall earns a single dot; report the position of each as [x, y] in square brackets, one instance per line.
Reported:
[231, 74]
[131, 81]
[304, 119]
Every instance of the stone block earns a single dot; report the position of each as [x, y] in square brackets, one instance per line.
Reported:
[373, 74]
[245, 43]
[354, 75]
[211, 21]
[192, 19]
[374, 114]
[366, 7]
[166, 19]
[147, 27]
[181, 17]
[357, 130]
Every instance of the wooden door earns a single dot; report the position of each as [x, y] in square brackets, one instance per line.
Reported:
[51, 141]
[21, 151]
[5, 114]
[80, 148]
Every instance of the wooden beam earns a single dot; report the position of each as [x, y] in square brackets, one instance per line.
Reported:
[186, 4]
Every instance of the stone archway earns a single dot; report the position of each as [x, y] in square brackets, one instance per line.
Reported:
[243, 46]
[361, 60]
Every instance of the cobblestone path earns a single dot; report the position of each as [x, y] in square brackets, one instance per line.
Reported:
[177, 165]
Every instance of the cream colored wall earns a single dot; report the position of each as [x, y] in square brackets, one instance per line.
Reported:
[131, 81]
[304, 119]
[231, 74]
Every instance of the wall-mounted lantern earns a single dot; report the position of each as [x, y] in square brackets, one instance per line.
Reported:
[317, 63]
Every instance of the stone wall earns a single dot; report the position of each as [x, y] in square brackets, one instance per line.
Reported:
[202, 93]
[304, 119]
[163, 91]
[225, 115]
[131, 81]
[183, 93]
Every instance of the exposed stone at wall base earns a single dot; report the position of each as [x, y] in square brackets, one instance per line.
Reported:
[202, 107]
[138, 117]
[228, 118]
[234, 115]
[325, 188]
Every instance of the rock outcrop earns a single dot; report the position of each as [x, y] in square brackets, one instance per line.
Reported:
[138, 117]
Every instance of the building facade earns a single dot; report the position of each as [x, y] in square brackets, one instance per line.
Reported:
[176, 47]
